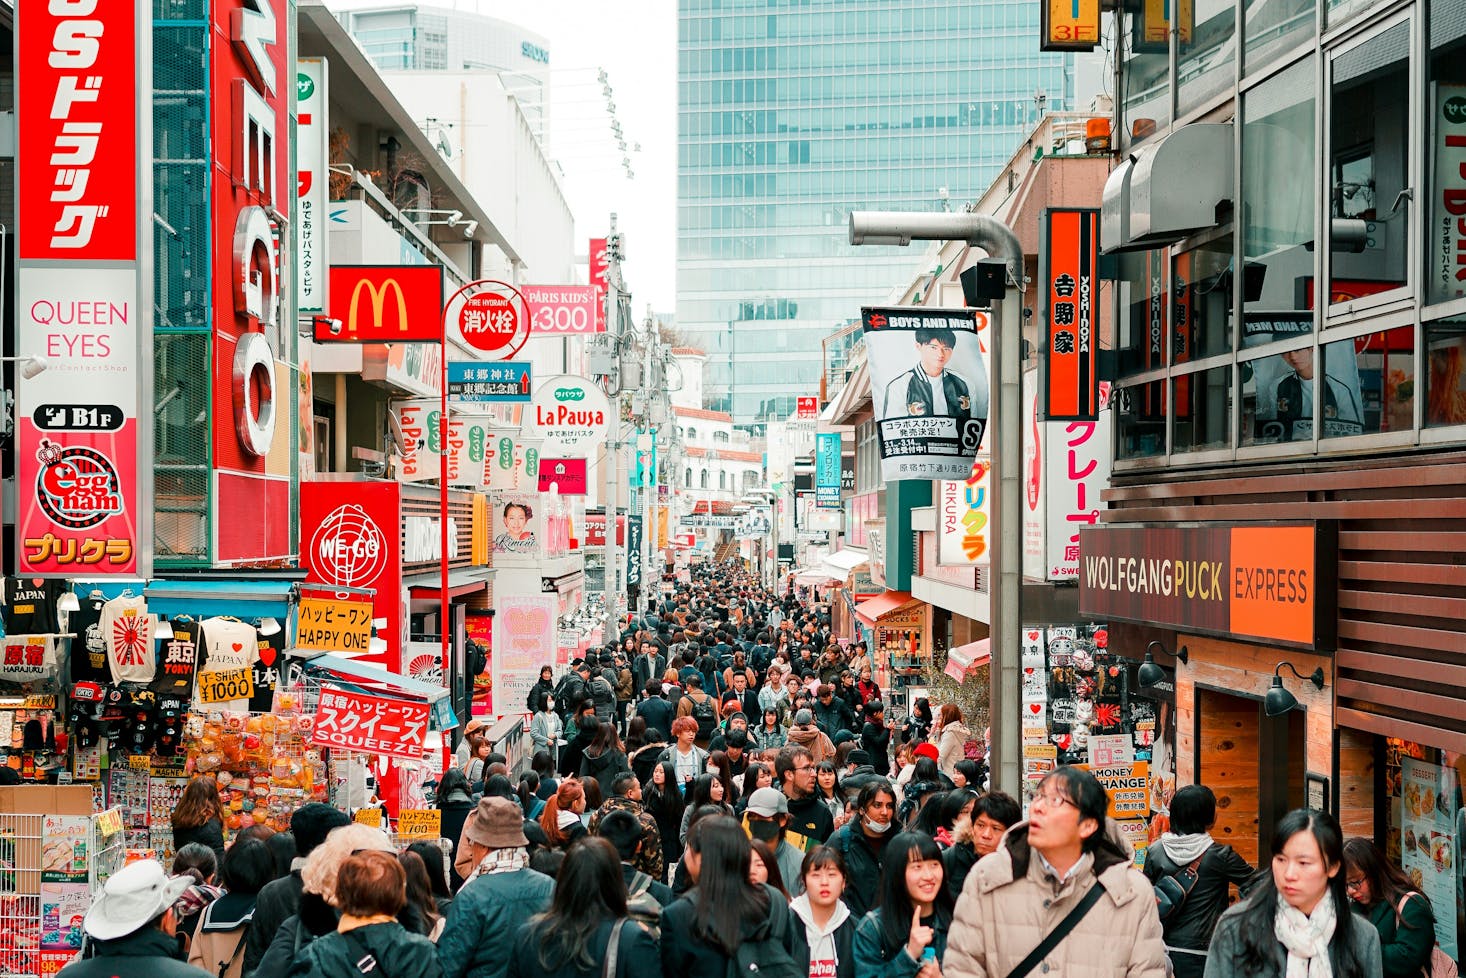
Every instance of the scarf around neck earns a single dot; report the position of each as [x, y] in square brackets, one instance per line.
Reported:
[1183, 849]
[1306, 937]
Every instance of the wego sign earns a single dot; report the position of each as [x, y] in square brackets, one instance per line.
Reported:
[383, 304]
[350, 532]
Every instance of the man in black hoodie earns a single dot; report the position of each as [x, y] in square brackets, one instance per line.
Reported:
[808, 816]
[280, 899]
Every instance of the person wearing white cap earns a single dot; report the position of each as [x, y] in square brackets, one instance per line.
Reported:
[766, 818]
[133, 918]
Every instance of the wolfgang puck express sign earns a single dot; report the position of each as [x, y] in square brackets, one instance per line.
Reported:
[1267, 582]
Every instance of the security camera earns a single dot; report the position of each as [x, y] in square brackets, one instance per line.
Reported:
[333, 326]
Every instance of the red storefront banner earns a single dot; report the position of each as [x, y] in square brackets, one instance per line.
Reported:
[384, 304]
[1069, 357]
[568, 475]
[370, 724]
[565, 310]
[350, 536]
[595, 530]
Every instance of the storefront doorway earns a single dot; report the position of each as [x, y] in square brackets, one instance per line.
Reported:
[1254, 763]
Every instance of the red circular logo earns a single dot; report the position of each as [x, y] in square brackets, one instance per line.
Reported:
[488, 321]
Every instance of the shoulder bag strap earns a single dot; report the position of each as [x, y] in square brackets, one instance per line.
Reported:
[1061, 931]
[613, 944]
[224, 965]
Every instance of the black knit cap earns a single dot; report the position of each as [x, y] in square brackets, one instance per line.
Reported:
[311, 824]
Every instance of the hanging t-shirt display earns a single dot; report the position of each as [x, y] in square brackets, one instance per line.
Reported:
[180, 658]
[88, 649]
[228, 644]
[128, 632]
[267, 672]
[25, 658]
[30, 605]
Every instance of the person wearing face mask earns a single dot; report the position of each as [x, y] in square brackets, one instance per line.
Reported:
[863, 843]
[766, 819]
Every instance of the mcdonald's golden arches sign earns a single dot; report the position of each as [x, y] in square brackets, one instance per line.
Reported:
[383, 304]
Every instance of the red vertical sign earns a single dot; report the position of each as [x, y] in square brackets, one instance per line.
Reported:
[600, 268]
[1069, 360]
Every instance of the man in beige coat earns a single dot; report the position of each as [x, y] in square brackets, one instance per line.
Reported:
[1043, 868]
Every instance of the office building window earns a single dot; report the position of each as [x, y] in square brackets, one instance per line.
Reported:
[1203, 410]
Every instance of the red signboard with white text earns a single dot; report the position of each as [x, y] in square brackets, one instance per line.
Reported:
[366, 724]
[595, 530]
[350, 536]
[565, 310]
[81, 68]
[600, 268]
[254, 401]
[808, 409]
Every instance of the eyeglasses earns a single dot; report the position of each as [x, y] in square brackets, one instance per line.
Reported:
[1352, 885]
[1053, 802]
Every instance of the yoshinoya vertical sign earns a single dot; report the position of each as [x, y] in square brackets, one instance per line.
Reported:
[929, 389]
[312, 185]
[1267, 582]
[827, 470]
[1068, 305]
[1447, 235]
[83, 178]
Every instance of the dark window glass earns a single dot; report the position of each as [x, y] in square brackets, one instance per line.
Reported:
[1140, 417]
[1203, 410]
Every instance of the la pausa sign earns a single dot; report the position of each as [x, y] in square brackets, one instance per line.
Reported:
[571, 414]
[1261, 581]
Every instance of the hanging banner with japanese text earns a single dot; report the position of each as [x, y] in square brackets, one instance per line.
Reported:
[929, 389]
[370, 724]
[1076, 460]
[1068, 259]
[312, 183]
[963, 515]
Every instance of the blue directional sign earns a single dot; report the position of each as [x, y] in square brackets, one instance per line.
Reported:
[499, 382]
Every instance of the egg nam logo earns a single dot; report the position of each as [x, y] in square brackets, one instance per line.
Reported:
[77, 488]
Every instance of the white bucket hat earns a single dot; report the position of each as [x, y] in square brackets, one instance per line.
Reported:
[132, 897]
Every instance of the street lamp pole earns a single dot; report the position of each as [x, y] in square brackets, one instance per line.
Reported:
[999, 241]
[613, 447]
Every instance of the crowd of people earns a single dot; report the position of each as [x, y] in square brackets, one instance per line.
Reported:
[723, 791]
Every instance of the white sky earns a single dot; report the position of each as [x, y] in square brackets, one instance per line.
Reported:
[636, 43]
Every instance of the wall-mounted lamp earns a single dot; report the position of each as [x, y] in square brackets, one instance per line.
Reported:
[1278, 700]
[1149, 672]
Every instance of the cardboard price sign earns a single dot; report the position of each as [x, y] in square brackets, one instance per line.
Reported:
[331, 625]
[420, 823]
[1128, 787]
[369, 816]
[226, 685]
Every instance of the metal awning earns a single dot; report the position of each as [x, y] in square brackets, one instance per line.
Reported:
[842, 562]
[207, 598]
[1168, 189]
[372, 680]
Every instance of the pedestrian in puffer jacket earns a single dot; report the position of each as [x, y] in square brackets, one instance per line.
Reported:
[280, 899]
[371, 889]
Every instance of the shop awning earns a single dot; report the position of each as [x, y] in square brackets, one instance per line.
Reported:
[842, 562]
[379, 682]
[460, 582]
[207, 598]
[967, 657]
[813, 577]
[879, 607]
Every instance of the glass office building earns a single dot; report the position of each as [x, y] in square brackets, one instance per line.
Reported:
[793, 113]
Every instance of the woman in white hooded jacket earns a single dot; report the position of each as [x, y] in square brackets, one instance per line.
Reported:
[951, 738]
[824, 940]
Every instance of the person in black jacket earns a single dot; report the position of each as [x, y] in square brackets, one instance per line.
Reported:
[827, 932]
[132, 920]
[572, 939]
[832, 713]
[280, 899]
[199, 816]
[1188, 930]
[862, 844]
[545, 687]
[371, 890]
[977, 835]
[655, 708]
[875, 737]
[704, 929]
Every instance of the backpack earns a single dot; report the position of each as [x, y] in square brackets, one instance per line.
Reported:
[569, 694]
[767, 958]
[705, 715]
[605, 698]
[642, 907]
[1172, 889]
[1441, 965]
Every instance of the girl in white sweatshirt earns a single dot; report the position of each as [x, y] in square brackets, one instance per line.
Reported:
[824, 941]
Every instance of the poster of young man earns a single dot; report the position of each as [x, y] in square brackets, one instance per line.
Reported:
[1287, 384]
[929, 388]
[519, 528]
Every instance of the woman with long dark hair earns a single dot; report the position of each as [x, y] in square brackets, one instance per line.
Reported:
[437, 866]
[720, 767]
[912, 915]
[1296, 923]
[763, 867]
[918, 725]
[706, 790]
[1401, 914]
[661, 796]
[573, 938]
[827, 790]
[604, 759]
[723, 912]
[199, 816]
[420, 894]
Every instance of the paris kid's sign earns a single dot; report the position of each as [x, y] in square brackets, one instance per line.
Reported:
[1265, 582]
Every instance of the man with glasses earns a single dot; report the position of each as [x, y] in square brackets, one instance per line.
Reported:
[808, 816]
[929, 389]
[1067, 856]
